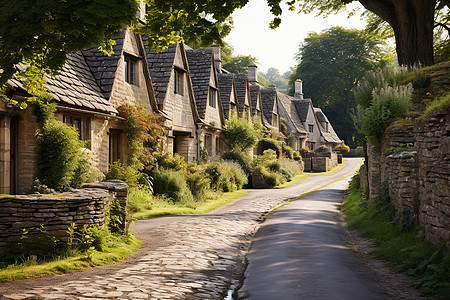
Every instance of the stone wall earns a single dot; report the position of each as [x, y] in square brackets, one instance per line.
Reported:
[55, 212]
[418, 178]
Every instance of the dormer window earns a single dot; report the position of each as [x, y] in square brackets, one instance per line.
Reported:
[130, 70]
[212, 96]
[178, 82]
[311, 128]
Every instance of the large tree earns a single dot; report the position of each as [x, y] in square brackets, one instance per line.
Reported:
[43, 32]
[330, 64]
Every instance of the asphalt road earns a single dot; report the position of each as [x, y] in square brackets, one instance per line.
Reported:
[299, 254]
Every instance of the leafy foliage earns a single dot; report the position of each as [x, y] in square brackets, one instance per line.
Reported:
[119, 171]
[42, 33]
[226, 176]
[268, 143]
[144, 134]
[241, 134]
[172, 184]
[59, 151]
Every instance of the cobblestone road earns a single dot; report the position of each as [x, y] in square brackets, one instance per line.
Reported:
[203, 256]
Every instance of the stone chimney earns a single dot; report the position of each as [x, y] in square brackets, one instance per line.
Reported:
[253, 74]
[298, 87]
[217, 57]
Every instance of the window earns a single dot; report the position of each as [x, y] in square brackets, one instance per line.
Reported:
[130, 70]
[115, 142]
[179, 86]
[217, 145]
[212, 96]
[208, 143]
[311, 128]
[81, 124]
[311, 145]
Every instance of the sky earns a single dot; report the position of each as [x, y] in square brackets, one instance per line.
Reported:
[251, 34]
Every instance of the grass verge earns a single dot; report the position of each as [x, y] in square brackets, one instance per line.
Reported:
[150, 206]
[404, 250]
[115, 251]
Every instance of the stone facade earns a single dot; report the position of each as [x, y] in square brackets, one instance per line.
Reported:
[418, 178]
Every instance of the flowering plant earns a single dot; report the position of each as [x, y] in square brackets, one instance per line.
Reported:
[144, 134]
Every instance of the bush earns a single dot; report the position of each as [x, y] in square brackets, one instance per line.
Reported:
[172, 184]
[85, 172]
[321, 149]
[288, 151]
[197, 182]
[343, 148]
[273, 165]
[242, 158]
[59, 149]
[241, 134]
[267, 143]
[272, 178]
[296, 156]
[388, 102]
[139, 199]
[226, 176]
[168, 161]
[122, 172]
[287, 174]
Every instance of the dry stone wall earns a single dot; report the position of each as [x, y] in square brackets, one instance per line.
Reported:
[418, 178]
[28, 213]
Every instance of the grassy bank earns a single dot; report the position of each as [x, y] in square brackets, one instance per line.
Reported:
[403, 248]
[116, 249]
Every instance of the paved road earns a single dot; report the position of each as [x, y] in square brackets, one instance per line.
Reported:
[187, 257]
[299, 254]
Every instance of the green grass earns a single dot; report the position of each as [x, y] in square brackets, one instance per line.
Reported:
[159, 206]
[118, 249]
[406, 251]
[436, 105]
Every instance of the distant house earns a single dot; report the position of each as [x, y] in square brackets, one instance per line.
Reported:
[243, 95]
[174, 94]
[320, 131]
[205, 84]
[297, 134]
[87, 91]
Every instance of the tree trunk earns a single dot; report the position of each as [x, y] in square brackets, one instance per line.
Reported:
[413, 23]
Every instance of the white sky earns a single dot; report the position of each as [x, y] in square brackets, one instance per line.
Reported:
[251, 34]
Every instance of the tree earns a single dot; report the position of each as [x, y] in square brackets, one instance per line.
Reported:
[42, 33]
[330, 64]
[236, 63]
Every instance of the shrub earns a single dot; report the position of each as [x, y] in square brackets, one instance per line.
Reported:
[267, 143]
[241, 134]
[321, 149]
[287, 174]
[388, 102]
[272, 178]
[420, 80]
[343, 148]
[197, 182]
[288, 151]
[139, 199]
[226, 176]
[172, 184]
[296, 156]
[273, 165]
[59, 151]
[86, 172]
[122, 172]
[241, 158]
[168, 161]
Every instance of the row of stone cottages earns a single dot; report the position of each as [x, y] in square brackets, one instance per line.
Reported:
[188, 87]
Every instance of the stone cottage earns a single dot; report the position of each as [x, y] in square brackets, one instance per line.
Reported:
[87, 91]
[174, 94]
[205, 84]
[227, 94]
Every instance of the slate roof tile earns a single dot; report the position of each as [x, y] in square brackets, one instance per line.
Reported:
[241, 81]
[268, 98]
[290, 113]
[330, 135]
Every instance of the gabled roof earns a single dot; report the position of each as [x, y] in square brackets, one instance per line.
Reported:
[75, 86]
[241, 82]
[225, 91]
[302, 107]
[330, 136]
[104, 67]
[160, 66]
[200, 68]
[268, 98]
[289, 112]
[254, 93]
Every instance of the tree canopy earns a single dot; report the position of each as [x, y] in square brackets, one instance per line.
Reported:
[42, 33]
[330, 64]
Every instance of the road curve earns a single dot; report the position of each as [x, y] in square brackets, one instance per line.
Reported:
[299, 254]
